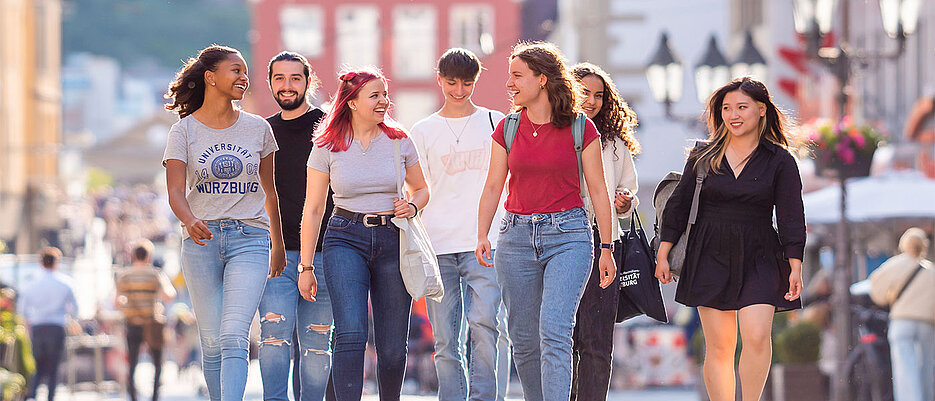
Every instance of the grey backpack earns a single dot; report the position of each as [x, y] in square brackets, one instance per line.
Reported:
[511, 125]
[660, 197]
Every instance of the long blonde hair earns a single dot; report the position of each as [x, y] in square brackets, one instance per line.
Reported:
[771, 127]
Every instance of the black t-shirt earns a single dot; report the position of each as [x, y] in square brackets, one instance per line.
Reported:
[295, 143]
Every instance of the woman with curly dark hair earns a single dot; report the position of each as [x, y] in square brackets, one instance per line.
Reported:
[597, 312]
[544, 251]
[219, 174]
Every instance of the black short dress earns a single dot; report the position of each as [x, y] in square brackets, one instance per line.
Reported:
[734, 257]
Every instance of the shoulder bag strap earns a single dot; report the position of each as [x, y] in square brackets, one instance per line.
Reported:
[397, 162]
[510, 126]
[906, 285]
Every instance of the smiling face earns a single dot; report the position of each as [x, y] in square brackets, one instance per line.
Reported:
[593, 95]
[741, 114]
[288, 84]
[229, 77]
[371, 102]
[524, 85]
[456, 90]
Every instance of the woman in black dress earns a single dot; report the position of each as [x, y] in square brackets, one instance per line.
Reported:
[737, 269]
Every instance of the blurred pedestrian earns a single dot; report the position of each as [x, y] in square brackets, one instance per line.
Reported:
[737, 269]
[219, 174]
[354, 154]
[904, 283]
[454, 144]
[142, 290]
[291, 326]
[544, 251]
[46, 304]
[593, 337]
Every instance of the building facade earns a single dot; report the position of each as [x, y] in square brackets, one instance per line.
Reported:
[402, 38]
[30, 120]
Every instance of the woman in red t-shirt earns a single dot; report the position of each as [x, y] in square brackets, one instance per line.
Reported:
[544, 252]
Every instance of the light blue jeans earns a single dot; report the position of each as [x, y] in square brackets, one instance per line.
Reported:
[472, 295]
[284, 312]
[912, 347]
[504, 350]
[543, 262]
[225, 279]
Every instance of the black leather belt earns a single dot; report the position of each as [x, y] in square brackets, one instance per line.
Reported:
[369, 220]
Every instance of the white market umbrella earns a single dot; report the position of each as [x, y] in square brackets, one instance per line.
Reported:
[895, 195]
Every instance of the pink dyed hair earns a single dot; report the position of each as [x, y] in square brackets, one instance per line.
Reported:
[335, 132]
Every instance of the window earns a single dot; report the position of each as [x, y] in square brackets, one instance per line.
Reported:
[358, 29]
[302, 29]
[746, 15]
[414, 34]
[472, 28]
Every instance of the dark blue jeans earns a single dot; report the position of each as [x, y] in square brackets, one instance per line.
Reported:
[364, 261]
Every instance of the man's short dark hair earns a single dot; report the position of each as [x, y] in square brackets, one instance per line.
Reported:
[306, 67]
[142, 250]
[49, 256]
[459, 63]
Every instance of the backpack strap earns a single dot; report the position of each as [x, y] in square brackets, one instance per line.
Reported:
[510, 125]
[906, 285]
[577, 132]
[493, 127]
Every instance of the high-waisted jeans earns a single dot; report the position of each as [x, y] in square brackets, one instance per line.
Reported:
[543, 262]
[362, 261]
[226, 278]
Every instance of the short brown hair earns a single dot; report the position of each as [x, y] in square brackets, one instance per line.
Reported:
[142, 249]
[459, 63]
[49, 256]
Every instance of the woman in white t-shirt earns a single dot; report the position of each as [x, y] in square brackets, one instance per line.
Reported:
[219, 174]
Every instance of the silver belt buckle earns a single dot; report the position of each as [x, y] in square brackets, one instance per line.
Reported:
[367, 218]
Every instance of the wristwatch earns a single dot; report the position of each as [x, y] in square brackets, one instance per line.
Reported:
[302, 267]
[609, 246]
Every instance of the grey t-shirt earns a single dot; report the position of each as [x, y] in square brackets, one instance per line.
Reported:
[223, 167]
[364, 181]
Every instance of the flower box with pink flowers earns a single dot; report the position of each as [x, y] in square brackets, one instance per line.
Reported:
[842, 149]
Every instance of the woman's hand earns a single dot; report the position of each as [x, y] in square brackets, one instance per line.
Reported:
[198, 231]
[662, 269]
[402, 208]
[623, 200]
[277, 261]
[308, 284]
[795, 283]
[607, 267]
[482, 252]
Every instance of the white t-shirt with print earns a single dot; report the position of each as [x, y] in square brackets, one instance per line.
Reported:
[455, 154]
[223, 167]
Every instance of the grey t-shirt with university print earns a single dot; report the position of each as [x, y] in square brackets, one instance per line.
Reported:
[223, 167]
[364, 181]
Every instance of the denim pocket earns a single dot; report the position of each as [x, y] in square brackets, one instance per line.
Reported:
[505, 224]
[338, 223]
[573, 225]
[253, 232]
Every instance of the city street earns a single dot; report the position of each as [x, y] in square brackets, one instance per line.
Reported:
[184, 387]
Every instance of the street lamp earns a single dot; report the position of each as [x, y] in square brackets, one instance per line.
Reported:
[749, 62]
[813, 19]
[711, 71]
[664, 74]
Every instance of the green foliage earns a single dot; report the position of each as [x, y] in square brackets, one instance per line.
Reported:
[98, 178]
[799, 343]
[134, 31]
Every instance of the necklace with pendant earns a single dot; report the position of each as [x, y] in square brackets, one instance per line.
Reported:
[535, 131]
[458, 135]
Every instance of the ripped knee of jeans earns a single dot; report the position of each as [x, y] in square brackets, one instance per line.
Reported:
[319, 328]
[272, 317]
[317, 351]
[274, 341]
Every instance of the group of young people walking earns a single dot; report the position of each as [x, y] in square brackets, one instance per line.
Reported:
[306, 236]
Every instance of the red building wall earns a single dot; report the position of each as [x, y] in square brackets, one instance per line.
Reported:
[267, 42]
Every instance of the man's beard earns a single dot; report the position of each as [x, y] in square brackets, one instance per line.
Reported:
[289, 105]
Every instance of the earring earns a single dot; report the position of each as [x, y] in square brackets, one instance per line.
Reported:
[212, 84]
[352, 107]
[541, 87]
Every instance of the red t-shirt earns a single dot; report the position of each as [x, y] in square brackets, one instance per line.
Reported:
[543, 169]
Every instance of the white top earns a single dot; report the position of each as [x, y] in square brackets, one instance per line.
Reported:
[455, 158]
[619, 173]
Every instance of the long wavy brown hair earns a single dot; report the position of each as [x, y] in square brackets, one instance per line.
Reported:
[561, 86]
[615, 118]
[187, 90]
[772, 127]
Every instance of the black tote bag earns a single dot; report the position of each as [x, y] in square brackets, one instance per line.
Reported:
[640, 291]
